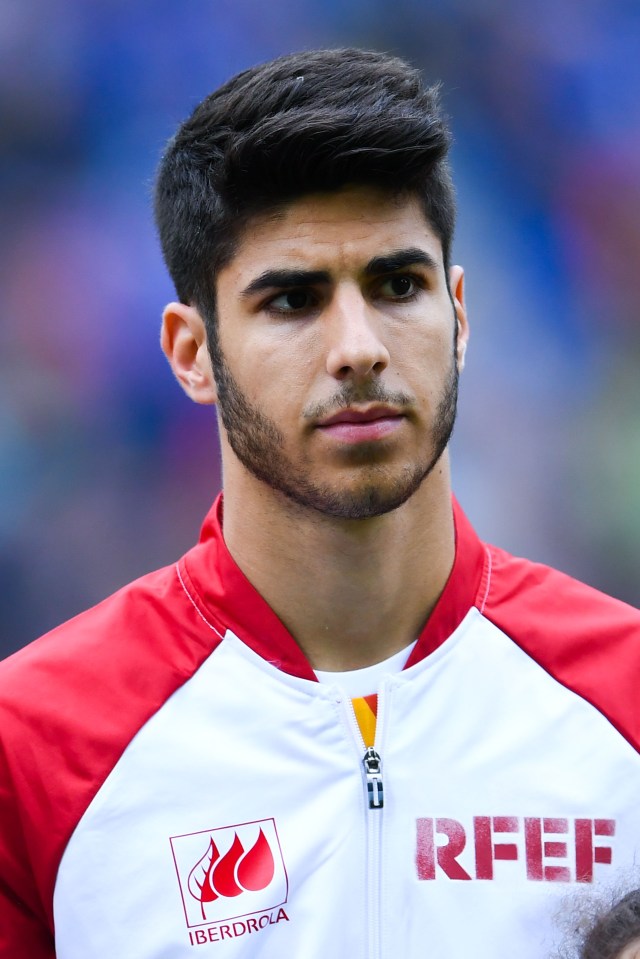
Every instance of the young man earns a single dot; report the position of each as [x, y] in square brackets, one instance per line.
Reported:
[340, 724]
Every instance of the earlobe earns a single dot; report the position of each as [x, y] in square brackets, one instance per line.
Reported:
[183, 338]
[456, 285]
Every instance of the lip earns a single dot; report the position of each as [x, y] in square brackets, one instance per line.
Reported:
[362, 426]
[354, 415]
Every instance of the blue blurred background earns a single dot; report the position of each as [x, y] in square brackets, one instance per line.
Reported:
[106, 469]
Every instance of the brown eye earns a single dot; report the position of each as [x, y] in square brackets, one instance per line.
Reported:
[297, 299]
[399, 287]
[293, 301]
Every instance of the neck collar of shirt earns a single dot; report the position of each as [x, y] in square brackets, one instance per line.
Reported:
[231, 602]
[366, 680]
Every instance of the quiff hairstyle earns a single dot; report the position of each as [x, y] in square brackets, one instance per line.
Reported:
[305, 123]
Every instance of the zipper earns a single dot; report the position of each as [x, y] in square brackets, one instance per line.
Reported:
[373, 773]
[373, 813]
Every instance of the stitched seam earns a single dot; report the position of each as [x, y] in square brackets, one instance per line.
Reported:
[488, 586]
[195, 606]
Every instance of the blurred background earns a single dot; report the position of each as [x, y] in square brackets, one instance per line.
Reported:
[106, 470]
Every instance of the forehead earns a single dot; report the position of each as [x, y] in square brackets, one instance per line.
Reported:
[333, 231]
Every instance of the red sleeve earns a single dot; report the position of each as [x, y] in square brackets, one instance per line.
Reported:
[24, 930]
[70, 703]
[586, 640]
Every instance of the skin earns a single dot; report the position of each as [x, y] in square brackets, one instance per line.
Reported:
[355, 553]
[632, 951]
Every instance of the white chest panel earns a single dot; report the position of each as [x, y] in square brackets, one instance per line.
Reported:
[235, 823]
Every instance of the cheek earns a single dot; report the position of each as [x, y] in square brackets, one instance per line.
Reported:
[284, 346]
[280, 373]
[277, 388]
[428, 334]
[426, 364]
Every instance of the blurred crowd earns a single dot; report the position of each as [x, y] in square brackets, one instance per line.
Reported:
[105, 468]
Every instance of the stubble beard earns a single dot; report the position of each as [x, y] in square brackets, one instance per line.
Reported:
[260, 446]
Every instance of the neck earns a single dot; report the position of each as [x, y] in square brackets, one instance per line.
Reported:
[351, 592]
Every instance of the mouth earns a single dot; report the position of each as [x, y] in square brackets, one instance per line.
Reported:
[353, 425]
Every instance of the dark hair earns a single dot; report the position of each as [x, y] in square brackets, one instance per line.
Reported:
[614, 931]
[303, 123]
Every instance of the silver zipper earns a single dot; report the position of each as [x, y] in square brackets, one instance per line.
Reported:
[372, 765]
[373, 772]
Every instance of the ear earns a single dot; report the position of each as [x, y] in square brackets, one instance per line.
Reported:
[456, 285]
[184, 342]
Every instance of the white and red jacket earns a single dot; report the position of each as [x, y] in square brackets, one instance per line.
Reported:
[174, 782]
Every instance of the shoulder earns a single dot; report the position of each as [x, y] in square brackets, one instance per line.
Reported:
[71, 702]
[531, 599]
[113, 644]
[90, 684]
[584, 639]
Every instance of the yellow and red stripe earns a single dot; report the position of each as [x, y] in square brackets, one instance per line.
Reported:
[366, 710]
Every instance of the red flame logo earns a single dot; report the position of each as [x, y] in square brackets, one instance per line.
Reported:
[230, 875]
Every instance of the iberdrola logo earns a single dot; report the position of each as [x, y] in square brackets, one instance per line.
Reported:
[230, 871]
[239, 870]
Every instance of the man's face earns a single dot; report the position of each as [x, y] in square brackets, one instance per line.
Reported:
[337, 353]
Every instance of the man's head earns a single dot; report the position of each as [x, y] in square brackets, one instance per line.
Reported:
[306, 215]
[305, 123]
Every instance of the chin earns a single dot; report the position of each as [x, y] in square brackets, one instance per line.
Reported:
[365, 502]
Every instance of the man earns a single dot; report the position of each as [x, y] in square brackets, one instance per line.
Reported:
[340, 724]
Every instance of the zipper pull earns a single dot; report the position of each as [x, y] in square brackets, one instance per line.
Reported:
[373, 771]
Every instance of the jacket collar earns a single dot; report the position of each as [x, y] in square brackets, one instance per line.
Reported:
[231, 602]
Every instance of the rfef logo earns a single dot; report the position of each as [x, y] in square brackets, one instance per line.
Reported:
[541, 849]
[230, 871]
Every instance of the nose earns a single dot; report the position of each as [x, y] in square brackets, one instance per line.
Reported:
[354, 334]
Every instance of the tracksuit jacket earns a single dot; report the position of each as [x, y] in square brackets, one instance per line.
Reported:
[175, 783]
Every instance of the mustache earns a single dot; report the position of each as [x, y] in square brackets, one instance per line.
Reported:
[351, 395]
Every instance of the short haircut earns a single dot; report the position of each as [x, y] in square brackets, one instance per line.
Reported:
[304, 123]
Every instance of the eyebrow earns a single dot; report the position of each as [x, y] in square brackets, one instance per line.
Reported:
[285, 279]
[400, 260]
[378, 266]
